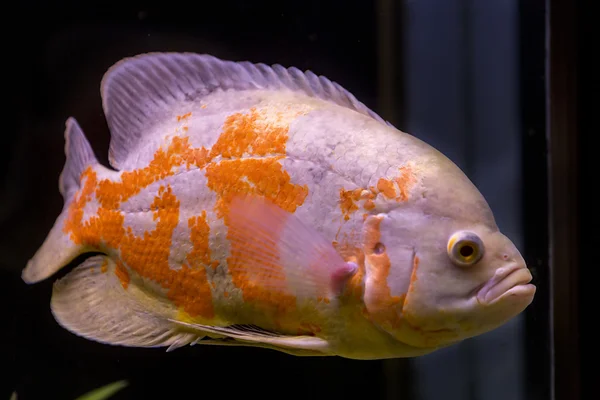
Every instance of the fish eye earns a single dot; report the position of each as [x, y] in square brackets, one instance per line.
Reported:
[465, 248]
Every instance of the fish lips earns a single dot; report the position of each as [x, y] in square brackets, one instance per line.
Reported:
[510, 281]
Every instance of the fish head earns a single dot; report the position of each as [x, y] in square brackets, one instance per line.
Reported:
[437, 268]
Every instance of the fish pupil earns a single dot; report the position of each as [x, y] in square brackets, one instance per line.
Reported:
[466, 250]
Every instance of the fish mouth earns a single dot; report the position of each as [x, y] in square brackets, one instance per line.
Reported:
[507, 281]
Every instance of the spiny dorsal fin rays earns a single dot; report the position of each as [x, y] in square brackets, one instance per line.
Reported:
[138, 91]
[79, 155]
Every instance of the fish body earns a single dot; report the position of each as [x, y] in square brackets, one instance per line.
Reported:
[263, 206]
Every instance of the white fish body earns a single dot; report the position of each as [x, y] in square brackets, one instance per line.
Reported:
[268, 207]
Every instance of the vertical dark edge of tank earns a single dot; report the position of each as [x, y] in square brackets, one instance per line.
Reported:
[589, 170]
[563, 137]
[535, 195]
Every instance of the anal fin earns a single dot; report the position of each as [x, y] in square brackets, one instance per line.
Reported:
[237, 343]
[251, 335]
[91, 302]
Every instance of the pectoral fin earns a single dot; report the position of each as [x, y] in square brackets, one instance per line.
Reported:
[275, 250]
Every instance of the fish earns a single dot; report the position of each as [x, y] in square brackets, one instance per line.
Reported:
[264, 206]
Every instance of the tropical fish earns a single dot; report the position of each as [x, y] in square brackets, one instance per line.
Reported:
[264, 206]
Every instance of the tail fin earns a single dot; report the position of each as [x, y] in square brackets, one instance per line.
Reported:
[58, 249]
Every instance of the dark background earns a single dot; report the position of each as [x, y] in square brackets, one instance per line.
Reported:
[54, 58]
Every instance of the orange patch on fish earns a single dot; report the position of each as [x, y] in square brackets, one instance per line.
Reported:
[254, 134]
[75, 214]
[382, 305]
[197, 295]
[191, 289]
[104, 266]
[386, 188]
[199, 233]
[397, 189]
[257, 133]
[122, 274]
[184, 116]
[265, 177]
[263, 286]
[348, 199]
[110, 193]
[147, 255]
[251, 134]
[262, 177]
[405, 182]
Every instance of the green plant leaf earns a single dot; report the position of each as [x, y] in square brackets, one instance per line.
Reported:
[104, 392]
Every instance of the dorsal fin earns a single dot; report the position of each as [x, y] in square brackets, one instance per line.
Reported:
[137, 90]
